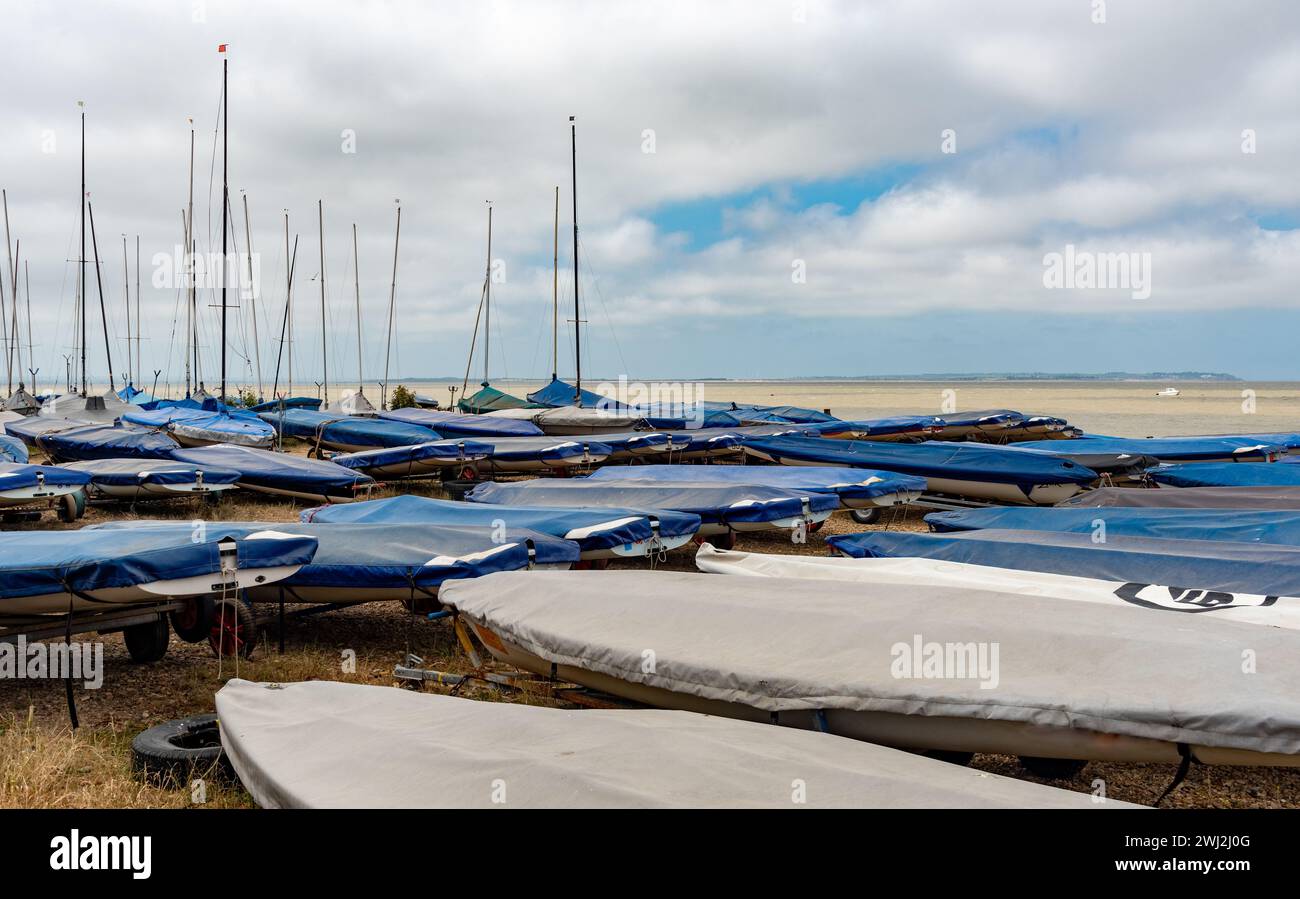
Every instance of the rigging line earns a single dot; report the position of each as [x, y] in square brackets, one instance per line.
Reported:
[609, 322]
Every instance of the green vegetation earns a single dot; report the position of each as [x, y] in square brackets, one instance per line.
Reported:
[401, 398]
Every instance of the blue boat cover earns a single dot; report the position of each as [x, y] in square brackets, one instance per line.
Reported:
[850, 484]
[451, 452]
[667, 416]
[292, 402]
[543, 449]
[1262, 569]
[1228, 474]
[12, 449]
[217, 426]
[33, 563]
[1234, 525]
[714, 503]
[993, 419]
[129, 394]
[898, 424]
[601, 529]
[1187, 498]
[560, 393]
[393, 556]
[103, 442]
[629, 442]
[270, 470]
[134, 472]
[933, 458]
[352, 430]
[18, 475]
[452, 424]
[1167, 449]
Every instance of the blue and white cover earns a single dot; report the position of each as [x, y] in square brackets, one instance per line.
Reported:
[350, 430]
[1166, 449]
[102, 442]
[445, 452]
[1233, 525]
[854, 486]
[138, 472]
[20, 476]
[280, 472]
[452, 424]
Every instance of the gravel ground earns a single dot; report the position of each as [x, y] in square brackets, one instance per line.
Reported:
[42, 764]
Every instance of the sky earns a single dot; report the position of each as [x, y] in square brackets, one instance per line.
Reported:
[765, 189]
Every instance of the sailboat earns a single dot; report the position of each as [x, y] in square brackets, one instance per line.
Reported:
[355, 403]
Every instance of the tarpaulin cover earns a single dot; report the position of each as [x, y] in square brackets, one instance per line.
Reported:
[264, 469]
[324, 744]
[12, 449]
[349, 430]
[213, 427]
[854, 486]
[1079, 453]
[1187, 498]
[957, 461]
[715, 504]
[1228, 474]
[543, 449]
[985, 419]
[18, 475]
[1167, 449]
[630, 443]
[1234, 525]
[28, 429]
[34, 563]
[132, 472]
[451, 452]
[489, 399]
[595, 529]
[561, 393]
[775, 645]
[293, 402]
[898, 424]
[574, 419]
[393, 556]
[99, 442]
[1265, 569]
[450, 424]
[903, 573]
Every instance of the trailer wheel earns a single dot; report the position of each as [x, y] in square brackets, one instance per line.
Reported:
[178, 749]
[147, 642]
[865, 516]
[72, 506]
[233, 629]
[1052, 769]
[193, 622]
[456, 489]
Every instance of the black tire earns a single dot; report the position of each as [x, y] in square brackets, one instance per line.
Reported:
[865, 516]
[193, 623]
[233, 629]
[456, 489]
[72, 506]
[951, 756]
[178, 749]
[147, 642]
[1052, 769]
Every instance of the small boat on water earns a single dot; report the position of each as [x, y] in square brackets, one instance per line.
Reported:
[979, 471]
[1169, 391]
[1228, 569]
[724, 509]
[371, 562]
[132, 480]
[323, 744]
[904, 572]
[856, 488]
[603, 533]
[853, 659]
[282, 474]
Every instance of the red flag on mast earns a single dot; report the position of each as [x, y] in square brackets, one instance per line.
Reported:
[221, 48]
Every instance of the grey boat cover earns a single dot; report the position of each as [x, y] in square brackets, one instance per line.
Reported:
[776, 644]
[575, 419]
[1187, 498]
[322, 744]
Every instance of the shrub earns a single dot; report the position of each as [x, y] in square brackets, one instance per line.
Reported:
[401, 398]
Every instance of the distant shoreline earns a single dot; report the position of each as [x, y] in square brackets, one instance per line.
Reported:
[1140, 377]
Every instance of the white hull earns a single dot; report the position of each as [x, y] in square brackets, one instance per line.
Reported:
[26, 496]
[158, 491]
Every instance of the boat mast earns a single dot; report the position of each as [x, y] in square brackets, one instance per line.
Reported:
[139, 327]
[577, 317]
[487, 309]
[103, 311]
[284, 322]
[81, 279]
[13, 293]
[252, 300]
[356, 283]
[225, 204]
[31, 347]
[324, 349]
[392, 297]
[555, 292]
[126, 285]
[189, 268]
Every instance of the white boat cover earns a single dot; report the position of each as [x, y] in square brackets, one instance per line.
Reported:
[331, 745]
[775, 644]
[1271, 611]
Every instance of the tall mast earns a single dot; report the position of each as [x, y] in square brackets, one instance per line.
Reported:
[126, 285]
[139, 329]
[31, 347]
[225, 205]
[356, 282]
[487, 286]
[189, 268]
[13, 294]
[252, 300]
[103, 311]
[555, 293]
[16, 329]
[577, 315]
[81, 281]
[324, 349]
[392, 298]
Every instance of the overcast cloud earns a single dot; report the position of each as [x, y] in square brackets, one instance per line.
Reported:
[787, 138]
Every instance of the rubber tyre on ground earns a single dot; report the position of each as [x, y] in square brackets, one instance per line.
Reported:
[193, 623]
[178, 749]
[72, 506]
[865, 516]
[1052, 769]
[147, 642]
[233, 629]
[456, 489]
